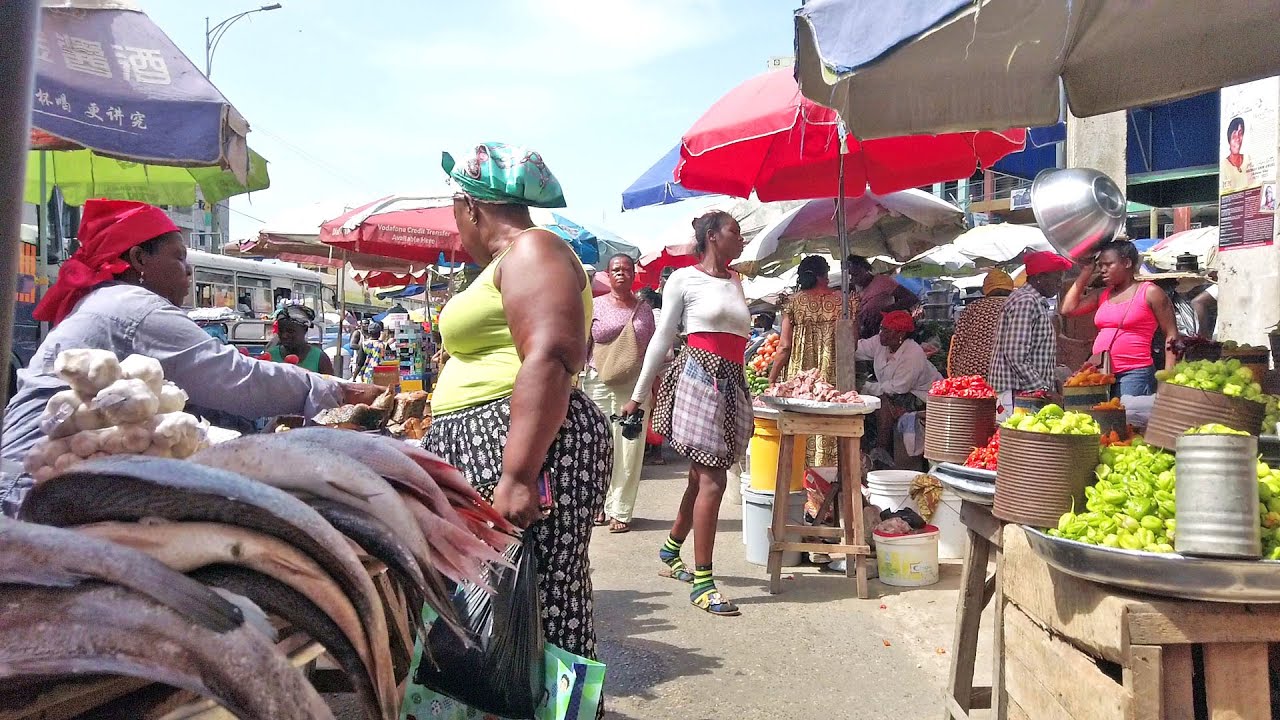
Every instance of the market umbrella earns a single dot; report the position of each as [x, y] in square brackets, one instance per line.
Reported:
[657, 185]
[765, 137]
[84, 174]
[418, 229]
[108, 79]
[947, 65]
[591, 243]
[1201, 242]
[900, 225]
[1002, 242]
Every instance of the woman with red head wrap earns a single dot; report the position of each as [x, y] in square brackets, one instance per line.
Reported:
[121, 291]
[903, 373]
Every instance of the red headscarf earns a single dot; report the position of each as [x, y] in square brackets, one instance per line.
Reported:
[1039, 263]
[108, 228]
[899, 320]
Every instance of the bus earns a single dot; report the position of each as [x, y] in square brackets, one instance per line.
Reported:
[251, 286]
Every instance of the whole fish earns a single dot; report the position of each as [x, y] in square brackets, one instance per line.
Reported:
[420, 585]
[137, 487]
[41, 555]
[309, 470]
[190, 546]
[111, 630]
[278, 598]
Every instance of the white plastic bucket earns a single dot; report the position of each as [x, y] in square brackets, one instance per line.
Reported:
[757, 518]
[908, 560]
[891, 490]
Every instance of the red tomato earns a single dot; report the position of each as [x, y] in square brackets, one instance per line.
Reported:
[265, 356]
[291, 359]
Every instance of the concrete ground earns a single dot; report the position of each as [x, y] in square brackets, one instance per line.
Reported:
[813, 651]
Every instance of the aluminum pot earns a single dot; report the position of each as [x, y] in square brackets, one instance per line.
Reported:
[1217, 490]
[1077, 208]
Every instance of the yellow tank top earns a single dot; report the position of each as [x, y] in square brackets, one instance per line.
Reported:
[483, 361]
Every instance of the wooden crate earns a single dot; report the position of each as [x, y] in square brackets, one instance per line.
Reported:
[1077, 649]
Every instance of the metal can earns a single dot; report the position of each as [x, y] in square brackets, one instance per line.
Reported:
[1217, 496]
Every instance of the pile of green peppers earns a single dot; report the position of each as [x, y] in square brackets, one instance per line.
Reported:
[1131, 506]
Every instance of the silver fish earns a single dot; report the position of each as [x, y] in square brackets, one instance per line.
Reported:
[111, 630]
[138, 487]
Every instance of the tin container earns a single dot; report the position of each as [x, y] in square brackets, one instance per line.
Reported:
[1110, 421]
[1178, 409]
[1217, 489]
[953, 427]
[1041, 476]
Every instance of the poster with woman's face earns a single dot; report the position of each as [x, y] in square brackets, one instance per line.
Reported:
[1248, 157]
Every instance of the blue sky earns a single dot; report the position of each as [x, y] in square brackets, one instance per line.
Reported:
[354, 99]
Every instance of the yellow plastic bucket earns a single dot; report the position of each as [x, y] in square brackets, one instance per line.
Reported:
[763, 448]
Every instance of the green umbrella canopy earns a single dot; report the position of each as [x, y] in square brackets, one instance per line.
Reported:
[83, 174]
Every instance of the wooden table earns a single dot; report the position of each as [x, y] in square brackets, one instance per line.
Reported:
[1080, 649]
[783, 536]
[982, 541]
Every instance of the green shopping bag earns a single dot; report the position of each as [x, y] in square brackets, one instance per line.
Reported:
[573, 689]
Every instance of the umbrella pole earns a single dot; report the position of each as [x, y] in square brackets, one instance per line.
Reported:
[844, 239]
[846, 329]
[342, 318]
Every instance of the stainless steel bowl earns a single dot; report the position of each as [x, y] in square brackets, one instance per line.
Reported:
[1077, 208]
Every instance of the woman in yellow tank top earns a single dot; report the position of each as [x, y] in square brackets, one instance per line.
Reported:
[504, 411]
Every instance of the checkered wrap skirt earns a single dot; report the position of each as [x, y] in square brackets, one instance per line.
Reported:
[704, 409]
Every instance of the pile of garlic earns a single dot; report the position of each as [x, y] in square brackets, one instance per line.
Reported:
[114, 407]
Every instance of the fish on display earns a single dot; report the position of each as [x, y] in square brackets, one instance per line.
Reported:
[134, 488]
[95, 629]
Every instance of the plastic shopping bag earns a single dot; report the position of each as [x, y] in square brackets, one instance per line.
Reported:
[501, 671]
[572, 691]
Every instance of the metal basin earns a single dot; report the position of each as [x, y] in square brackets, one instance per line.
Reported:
[1077, 208]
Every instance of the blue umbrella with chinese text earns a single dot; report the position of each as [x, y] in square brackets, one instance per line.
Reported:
[109, 80]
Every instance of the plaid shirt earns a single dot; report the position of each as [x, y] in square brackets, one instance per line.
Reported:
[1026, 348]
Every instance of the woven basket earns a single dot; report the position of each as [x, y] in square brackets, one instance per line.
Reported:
[1039, 476]
[953, 427]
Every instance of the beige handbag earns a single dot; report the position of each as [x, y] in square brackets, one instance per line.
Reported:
[618, 362]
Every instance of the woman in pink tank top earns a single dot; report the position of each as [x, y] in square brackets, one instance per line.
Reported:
[1126, 313]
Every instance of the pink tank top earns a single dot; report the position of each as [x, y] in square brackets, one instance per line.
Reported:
[1126, 329]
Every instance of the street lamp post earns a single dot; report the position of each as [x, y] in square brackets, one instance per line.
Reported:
[212, 36]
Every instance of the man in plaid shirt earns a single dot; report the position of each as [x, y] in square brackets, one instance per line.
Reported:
[1026, 349]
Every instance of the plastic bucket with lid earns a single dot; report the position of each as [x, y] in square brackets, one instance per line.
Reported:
[757, 518]
[908, 560]
[763, 449]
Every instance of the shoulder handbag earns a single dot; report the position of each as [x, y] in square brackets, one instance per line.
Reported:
[618, 362]
[1102, 360]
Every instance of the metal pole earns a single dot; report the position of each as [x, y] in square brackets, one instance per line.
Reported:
[342, 317]
[846, 286]
[17, 66]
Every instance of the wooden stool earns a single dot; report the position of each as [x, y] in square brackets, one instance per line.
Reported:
[982, 537]
[847, 429]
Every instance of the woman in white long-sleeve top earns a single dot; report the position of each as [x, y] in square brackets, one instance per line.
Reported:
[703, 405]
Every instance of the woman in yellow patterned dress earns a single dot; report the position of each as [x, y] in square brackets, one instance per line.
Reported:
[808, 340]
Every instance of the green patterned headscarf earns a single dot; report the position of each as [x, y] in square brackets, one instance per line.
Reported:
[506, 174]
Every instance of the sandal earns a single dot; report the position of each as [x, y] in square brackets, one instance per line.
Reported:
[683, 574]
[617, 527]
[600, 520]
[716, 604]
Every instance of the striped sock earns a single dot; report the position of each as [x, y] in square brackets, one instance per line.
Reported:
[703, 582]
[670, 554]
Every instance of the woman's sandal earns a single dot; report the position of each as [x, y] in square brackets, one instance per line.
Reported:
[617, 527]
[683, 574]
[600, 520]
[716, 604]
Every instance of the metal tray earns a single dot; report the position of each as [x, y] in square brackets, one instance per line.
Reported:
[968, 473]
[982, 493]
[1172, 575]
[812, 407]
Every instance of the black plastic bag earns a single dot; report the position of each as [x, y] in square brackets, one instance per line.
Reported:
[501, 671]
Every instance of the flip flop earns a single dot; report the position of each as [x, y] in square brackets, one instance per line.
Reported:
[617, 527]
[600, 520]
[716, 604]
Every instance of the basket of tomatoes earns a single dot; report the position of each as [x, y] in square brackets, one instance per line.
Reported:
[960, 415]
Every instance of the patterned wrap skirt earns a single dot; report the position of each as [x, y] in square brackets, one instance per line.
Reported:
[578, 465]
[704, 408]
